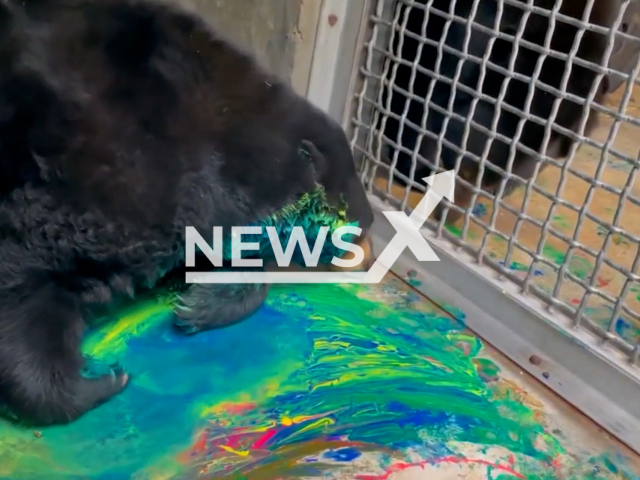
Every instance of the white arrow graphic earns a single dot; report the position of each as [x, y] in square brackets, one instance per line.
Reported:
[407, 236]
[408, 227]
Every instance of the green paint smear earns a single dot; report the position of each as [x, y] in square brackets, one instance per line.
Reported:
[370, 367]
[312, 212]
[578, 266]
[452, 229]
[457, 231]
[488, 370]
[562, 223]
[616, 238]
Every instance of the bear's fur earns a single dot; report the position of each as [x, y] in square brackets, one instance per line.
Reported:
[121, 123]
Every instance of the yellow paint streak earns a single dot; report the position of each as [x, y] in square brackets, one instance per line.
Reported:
[436, 363]
[224, 407]
[260, 393]
[331, 359]
[318, 423]
[240, 453]
[378, 364]
[325, 344]
[287, 421]
[324, 384]
[127, 325]
[371, 370]
[386, 348]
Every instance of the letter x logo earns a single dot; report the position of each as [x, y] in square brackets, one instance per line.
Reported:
[408, 227]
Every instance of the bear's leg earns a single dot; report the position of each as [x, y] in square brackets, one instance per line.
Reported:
[209, 306]
[40, 361]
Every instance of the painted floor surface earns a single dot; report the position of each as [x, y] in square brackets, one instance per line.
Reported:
[332, 382]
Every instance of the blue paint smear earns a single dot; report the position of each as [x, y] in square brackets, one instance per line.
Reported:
[479, 210]
[156, 362]
[518, 267]
[343, 455]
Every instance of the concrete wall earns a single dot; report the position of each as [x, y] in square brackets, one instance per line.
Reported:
[267, 28]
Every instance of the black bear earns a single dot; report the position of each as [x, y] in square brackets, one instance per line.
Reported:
[121, 123]
[429, 19]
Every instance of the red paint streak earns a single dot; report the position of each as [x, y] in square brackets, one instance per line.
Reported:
[575, 301]
[239, 408]
[399, 467]
[264, 439]
[465, 347]
[603, 282]
[199, 447]
[201, 444]
[232, 441]
[556, 463]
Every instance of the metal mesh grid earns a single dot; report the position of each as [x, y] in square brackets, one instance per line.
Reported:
[569, 235]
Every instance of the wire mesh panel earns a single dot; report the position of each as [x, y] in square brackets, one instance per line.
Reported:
[534, 103]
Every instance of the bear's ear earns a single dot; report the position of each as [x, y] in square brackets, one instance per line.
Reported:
[132, 36]
[309, 152]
